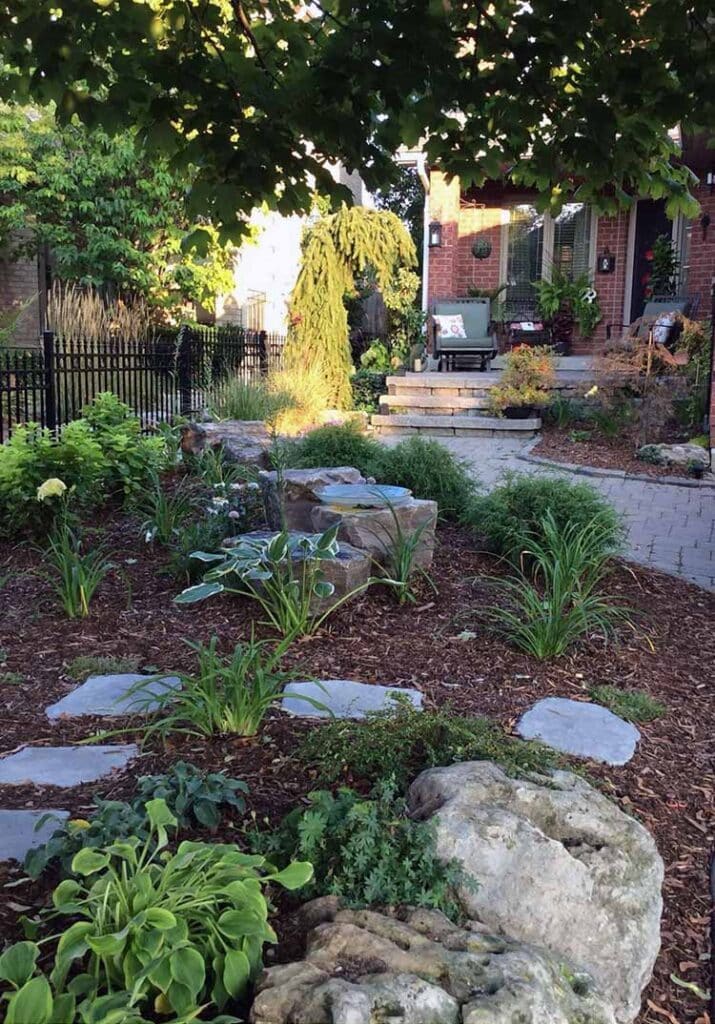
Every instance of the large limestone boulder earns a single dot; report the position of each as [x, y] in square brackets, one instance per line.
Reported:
[300, 493]
[244, 441]
[557, 865]
[374, 529]
[363, 967]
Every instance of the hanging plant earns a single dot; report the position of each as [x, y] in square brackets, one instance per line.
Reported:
[338, 249]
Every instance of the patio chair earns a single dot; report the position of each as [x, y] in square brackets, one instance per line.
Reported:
[479, 338]
[657, 314]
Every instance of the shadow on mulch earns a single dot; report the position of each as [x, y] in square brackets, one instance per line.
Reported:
[668, 785]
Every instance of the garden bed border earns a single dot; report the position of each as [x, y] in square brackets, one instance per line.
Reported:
[621, 474]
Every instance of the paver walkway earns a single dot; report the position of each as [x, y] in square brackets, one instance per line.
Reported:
[670, 528]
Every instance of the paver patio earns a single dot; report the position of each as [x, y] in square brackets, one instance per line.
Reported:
[670, 527]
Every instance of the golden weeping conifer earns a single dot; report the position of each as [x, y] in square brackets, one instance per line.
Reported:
[336, 249]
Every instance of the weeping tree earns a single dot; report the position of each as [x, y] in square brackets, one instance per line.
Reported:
[336, 251]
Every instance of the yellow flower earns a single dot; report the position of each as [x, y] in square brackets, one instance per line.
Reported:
[52, 488]
[591, 391]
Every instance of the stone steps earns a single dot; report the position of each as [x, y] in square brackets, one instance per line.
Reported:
[454, 426]
[436, 405]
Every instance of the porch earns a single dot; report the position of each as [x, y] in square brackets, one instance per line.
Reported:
[455, 404]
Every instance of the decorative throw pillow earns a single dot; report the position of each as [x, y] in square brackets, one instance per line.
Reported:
[450, 326]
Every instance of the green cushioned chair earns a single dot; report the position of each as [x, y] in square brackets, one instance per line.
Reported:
[481, 340]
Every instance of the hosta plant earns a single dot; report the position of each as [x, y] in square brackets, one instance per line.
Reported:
[179, 930]
[282, 572]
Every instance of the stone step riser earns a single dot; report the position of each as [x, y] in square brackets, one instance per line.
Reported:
[428, 410]
[390, 431]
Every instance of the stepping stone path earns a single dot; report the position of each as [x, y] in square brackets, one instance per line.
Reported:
[63, 766]
[584, 730]
[18, 835]
[109, 695]
[343, 698]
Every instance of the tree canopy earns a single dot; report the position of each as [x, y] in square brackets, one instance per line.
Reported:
[336, 250]
[112, 216]
[259, 95]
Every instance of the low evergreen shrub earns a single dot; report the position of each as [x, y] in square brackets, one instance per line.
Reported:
[404, 741]
[513, 514]
[368, 386]
[633, 705]
[344, 445]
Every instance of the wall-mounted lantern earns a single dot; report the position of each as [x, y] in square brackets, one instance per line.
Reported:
[606, 262]
[435, 235]
[482, 249]
[710, 180]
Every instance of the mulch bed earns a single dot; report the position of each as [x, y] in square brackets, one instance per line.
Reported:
[669, 784]
[599, 452]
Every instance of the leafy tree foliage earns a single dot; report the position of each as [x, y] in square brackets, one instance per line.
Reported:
[572, 98]
[111, 215]
[339, 247]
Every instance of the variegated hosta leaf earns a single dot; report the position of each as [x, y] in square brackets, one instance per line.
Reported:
[323, 589]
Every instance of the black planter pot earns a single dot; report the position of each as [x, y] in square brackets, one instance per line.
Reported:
[518, 412]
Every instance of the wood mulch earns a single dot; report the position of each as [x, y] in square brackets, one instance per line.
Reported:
[599, 452]
[442, 648]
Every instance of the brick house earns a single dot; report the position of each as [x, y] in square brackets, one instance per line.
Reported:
[524, 245]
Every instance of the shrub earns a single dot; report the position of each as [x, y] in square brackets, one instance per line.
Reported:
[558, 600]
[511, 516]
[529, 375]
[179, 895]
[191, 794]
[366, 851]
[633, 705]
[405, 740]
[430, 471]
[344, 445]
[368, 386]
[131, 457]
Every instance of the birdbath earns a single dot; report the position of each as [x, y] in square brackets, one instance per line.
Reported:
[356, 497]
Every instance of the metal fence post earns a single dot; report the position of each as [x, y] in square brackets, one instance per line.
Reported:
[184, 370]
[48, 354]
[262, 353]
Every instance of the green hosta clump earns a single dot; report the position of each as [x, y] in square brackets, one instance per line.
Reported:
[281, 572]
[179, 930]
[367, 851]
[195, 798]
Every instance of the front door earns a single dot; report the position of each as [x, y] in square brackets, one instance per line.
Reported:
[651, 222]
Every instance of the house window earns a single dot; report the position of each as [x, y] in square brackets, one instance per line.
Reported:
[536, 243]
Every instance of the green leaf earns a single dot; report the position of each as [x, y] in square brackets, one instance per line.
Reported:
[323, 589]
[63, 1009]
[32, 1004]
[297, 873]
[108, 945]
[160, 918]
[158, 813]
[88, 862]
[198, 593]
[187, 967]
[17, 964]
[236, 972]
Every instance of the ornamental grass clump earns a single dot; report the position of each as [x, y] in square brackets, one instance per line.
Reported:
[556, 599]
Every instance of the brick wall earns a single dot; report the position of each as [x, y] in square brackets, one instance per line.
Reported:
[19, 283]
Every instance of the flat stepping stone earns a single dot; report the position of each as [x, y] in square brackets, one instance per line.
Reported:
[63, 766]
[109, 695]
[584, 730]
[18, 835]
[343, 698]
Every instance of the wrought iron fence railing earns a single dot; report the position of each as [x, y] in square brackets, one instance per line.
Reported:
[173, 373]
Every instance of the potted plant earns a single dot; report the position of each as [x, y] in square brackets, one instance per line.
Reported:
[529, 374]
[566, 304]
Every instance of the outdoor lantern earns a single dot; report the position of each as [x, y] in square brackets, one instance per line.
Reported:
[482, 249]
[606, 262]
[435, 235]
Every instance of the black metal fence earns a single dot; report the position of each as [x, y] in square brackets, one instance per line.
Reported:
[173, 373]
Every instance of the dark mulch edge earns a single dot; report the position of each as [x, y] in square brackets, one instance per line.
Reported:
[669, 785]
[599, 452]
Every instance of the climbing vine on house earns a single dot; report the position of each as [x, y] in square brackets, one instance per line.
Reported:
[336, 250]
